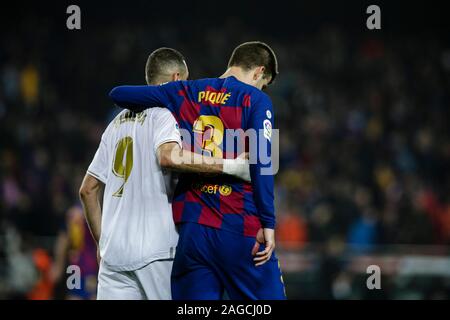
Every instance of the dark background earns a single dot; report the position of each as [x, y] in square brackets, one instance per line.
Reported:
[363, 118]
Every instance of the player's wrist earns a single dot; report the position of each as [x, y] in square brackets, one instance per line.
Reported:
[268, 225]
[237, 167]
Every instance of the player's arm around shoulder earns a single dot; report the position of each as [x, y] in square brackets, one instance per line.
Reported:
[138, 98]
[172, 156]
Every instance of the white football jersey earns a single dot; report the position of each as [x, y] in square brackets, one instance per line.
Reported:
[137, 224]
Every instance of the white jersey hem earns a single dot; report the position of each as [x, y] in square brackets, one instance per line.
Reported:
[138, 265]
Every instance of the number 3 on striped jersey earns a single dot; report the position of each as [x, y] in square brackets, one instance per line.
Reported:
[123, 162]
[211, 142]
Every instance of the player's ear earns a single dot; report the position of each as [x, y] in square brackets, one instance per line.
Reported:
[176, 76]
[258, 73]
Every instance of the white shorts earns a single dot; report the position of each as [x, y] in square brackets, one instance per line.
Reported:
[151, 282]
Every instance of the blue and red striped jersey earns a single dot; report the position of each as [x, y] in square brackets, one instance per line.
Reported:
[206, 108]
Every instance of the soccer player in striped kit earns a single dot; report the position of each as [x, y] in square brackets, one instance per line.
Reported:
[222, 220]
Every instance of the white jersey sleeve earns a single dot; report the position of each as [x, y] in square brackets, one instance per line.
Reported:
[99, 166]
[165, 129]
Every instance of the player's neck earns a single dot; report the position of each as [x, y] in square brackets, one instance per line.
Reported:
[239, 74]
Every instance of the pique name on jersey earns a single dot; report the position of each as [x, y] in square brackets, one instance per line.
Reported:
[213, 97]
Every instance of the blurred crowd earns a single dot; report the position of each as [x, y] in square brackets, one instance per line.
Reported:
[364, 139]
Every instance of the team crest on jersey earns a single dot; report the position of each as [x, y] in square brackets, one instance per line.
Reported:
[225, 190]
[267, 125]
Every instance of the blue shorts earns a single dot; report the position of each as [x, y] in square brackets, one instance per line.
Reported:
[209, 261]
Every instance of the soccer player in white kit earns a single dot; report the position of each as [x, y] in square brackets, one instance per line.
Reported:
[134, 229]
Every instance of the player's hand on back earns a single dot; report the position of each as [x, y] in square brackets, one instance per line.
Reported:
[238, 167]
[264, 237]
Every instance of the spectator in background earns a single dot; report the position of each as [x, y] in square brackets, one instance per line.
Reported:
[291, 229]
[364, 150]
[76, 247]
[29, 83]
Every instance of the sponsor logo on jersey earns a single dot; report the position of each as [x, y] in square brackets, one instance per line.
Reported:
[225, 190]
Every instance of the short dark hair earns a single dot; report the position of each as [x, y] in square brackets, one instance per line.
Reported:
[161, 62]
[255, 54]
